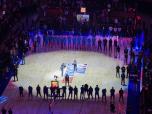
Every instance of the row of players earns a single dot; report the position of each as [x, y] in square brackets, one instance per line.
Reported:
[84, 43]
[73, 41]
[86, 92]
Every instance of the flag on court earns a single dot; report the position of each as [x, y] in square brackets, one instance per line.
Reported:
[81, 68]
[69, 69]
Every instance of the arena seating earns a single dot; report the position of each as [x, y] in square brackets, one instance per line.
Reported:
[107, 17]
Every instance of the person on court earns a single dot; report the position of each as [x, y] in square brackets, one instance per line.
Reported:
[85, 90]
[64, 92]
[38, 90]
[112, 94]
[118, 71]
[110, 46]
[122, 79]
[30, 91]
[121, 98]
[115, 48]
[118, 51]
[70, 92]
[123, 69]
[126, 55]
[128, 71]
[62, 68]
[105, 45]
[45, 92]
[15, 72]
[75, 92]
[90, 92]
[21, 91]
[99, 45]
[96, 92]
[104, 91]
[75, 65]
[82, 93]
[66, 80]
[58, 92]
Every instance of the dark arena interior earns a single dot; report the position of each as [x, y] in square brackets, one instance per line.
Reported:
[75, 57]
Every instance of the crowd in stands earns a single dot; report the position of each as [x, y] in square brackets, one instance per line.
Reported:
[107, 18]
[11, 12]
[146, 92]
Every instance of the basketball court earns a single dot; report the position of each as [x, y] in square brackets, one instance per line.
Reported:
[94, 69]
